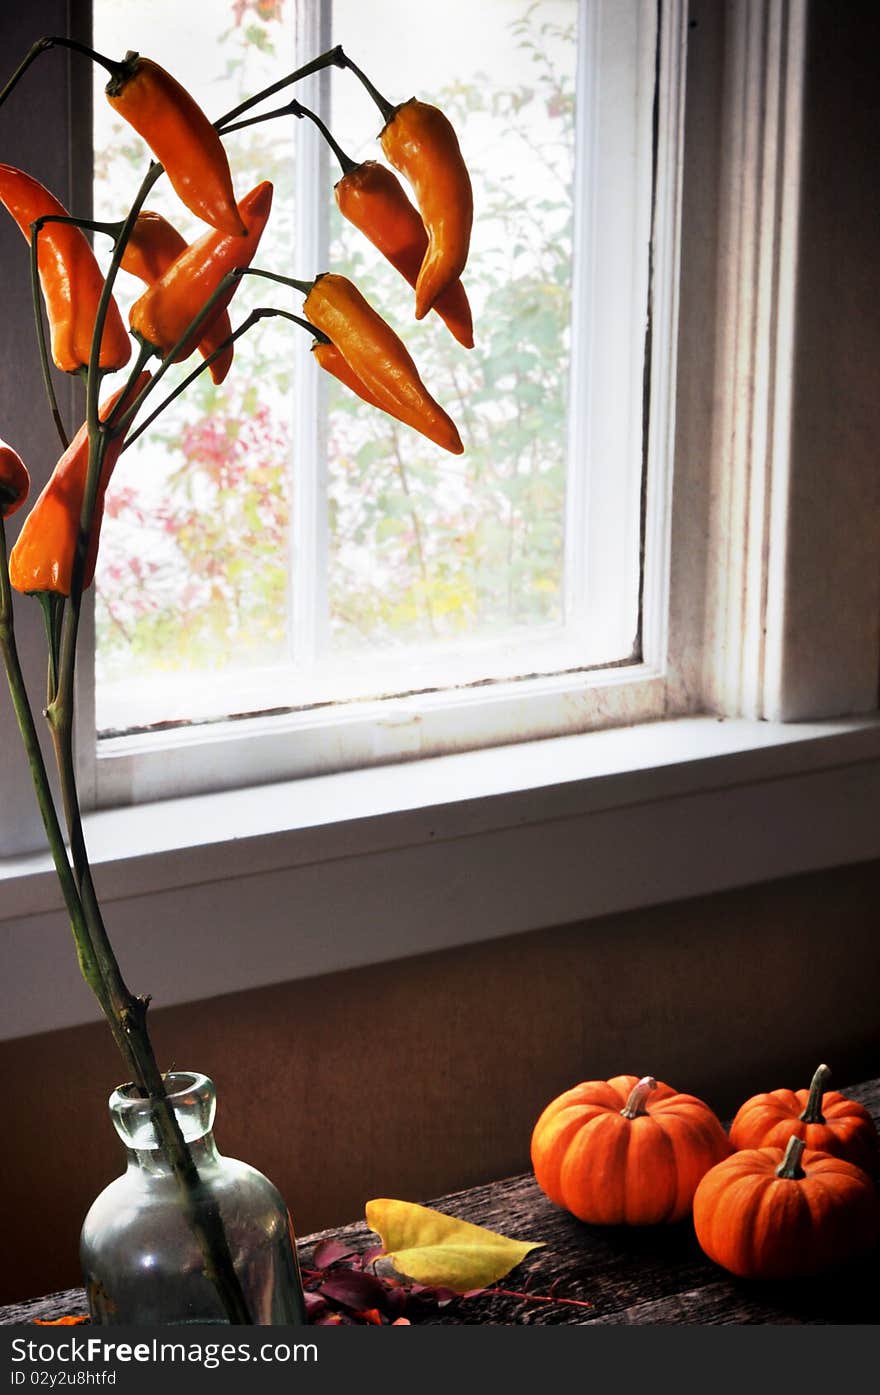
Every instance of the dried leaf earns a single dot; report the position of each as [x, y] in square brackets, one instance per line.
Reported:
[330, 1252]
[440, 1250]
[354, 1290]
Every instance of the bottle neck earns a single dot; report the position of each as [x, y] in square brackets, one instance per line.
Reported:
[155, 1161]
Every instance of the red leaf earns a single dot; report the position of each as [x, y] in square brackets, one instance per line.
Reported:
[354, 1290]
[330, 1252]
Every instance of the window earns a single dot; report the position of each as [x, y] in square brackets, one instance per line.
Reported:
[273, 547]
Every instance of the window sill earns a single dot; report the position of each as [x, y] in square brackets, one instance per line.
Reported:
[339, 871]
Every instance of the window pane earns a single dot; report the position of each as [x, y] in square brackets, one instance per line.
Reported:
[193, 576]
[426, 546]
[308, 559]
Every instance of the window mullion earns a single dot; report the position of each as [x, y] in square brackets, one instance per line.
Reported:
[308, 598]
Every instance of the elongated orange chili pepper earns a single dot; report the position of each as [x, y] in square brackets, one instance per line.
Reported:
[42, 558]
[154, 244]
[372, 198]
[70, 277]
[378, 358]
[15, 482]
[164, 311]
[419, 141]
[331, 360]
[180, 136]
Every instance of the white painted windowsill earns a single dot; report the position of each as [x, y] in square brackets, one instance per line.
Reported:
[222, 892]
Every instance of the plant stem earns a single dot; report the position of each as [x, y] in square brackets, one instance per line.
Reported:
[295, 108]
[813, 1110]
[56, 41]
[333, 57]
[125, 1013]
[388, 109]
[635, 1105]
[790, 1168]
[252, 319]
[25, 719]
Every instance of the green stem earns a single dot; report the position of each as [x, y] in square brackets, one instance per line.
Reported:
[295, 108]
[388, 109]
[121, 423]
[813, 1110]
[333, 57]
[127, 1016]
[125, 1013]
[635, 1105]
[52, 607]
[46, 804]
[252, 319]
[111, 229]
[56, 41]
[303, 286]
[347, 163]
[790, 1167]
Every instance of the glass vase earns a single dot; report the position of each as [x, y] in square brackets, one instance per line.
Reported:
[140, 1257]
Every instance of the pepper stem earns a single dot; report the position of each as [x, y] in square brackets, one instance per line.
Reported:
[813, 1110]
[43, 46]
[388, 109]
[347, 163]
[333, 57]
[254, 316]
[790, 1167]
[635, 1105]
[295, 108]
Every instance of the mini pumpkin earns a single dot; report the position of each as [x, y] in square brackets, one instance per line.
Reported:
[625, 1151]
[763, 1214]
[828, 1122]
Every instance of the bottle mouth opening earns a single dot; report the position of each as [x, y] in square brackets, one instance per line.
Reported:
[191, 1096]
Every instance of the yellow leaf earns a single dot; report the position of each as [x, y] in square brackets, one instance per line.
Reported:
[440, 1250]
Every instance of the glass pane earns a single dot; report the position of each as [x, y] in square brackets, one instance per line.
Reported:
[193, 576]
[441, 570]
[427, 546]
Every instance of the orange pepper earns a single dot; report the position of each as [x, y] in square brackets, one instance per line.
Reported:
[180, 136]
[331, 360]
[374, 200]
[420, 141]
[42, 558]
[70, 277]
[15, 482]
[377, 358]
[154, 244]
[166, 308]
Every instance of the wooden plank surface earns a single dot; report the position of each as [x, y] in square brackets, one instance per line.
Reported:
[631, 1276]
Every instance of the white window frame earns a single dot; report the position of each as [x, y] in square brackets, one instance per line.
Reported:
[572, 691]
[776, 775]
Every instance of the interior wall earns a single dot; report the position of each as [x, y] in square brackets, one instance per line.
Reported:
[420, 1077]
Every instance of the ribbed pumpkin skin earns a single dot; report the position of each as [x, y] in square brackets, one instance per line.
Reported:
[769, 1120]
[610, 1170]
[760, 1226]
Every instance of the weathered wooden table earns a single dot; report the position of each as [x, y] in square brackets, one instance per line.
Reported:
[650, 1276]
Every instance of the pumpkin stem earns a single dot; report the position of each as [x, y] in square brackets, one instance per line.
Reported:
[635, 1105]
[813, 1111]
[790, 1167]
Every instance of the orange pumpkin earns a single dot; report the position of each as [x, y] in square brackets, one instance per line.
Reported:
[763, 1214]
[611, 1156]
[828, 1122]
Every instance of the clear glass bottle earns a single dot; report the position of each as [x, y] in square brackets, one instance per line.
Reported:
[140, 1258]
